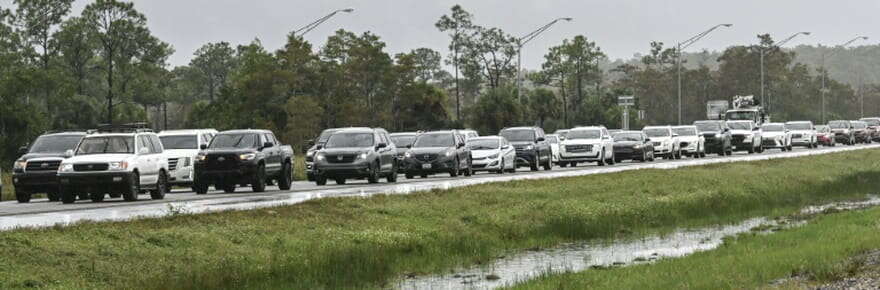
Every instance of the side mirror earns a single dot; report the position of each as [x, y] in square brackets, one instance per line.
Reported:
[268, 145]
[22, 150]
[381, 145]
[505, 147]
[144, 151]
[409, 146]
[759, 128]
[460, 144]
[674, 135]
[647, 139]
[540, 139]
[319, 147]
[726, 129]
[69, 153]
[203, 146]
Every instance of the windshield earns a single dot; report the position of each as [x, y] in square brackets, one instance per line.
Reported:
[860, 125]
[872, 122]
[838, 124]
[519, 135]
[741, 115]
[584, 134]
[325, 135]
[350, 140]
[435, 140]
[773, 128]
[822, 128]
[656, 132]
[618, 137]
[106, 144]
[180, 142]
[561, 133]
[685, 131]
[798, 126]
[552, 139]
[484, 144]
[240, 141]
[703, 127]
[403, 141]
[739, 125]
[55, 144]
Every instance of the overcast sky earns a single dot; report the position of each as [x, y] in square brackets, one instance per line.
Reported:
[620, 27]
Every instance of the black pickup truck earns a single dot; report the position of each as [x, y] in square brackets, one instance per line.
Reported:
[35, 171]
[242, 157]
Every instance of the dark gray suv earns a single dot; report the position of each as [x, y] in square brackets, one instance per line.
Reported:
[532, 149]
[438, 152]
[356, 153]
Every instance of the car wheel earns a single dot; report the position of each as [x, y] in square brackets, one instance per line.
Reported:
[22, 197]
[114, 195]
[161, 185]
[340, 181]
[563, 164]
[83, 196]
[286, 178]
[320, 180]
[228, 187]
[97, 197]
[424, 176]
[53, 196]
[67, 196]
[200, 188]
[470, 169]
[548, 165]
[501, 171]
[259, 182]
[455, 169]
[601, 161]
[678, 154]
[409, 176]
[392, 176]
[134, 188]
[374, 174]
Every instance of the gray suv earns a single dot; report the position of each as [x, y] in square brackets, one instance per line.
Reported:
[356, 153]
[532, 149]
[438, 152]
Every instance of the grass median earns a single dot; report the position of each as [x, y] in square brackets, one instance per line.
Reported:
[821, 251]
[370, 242]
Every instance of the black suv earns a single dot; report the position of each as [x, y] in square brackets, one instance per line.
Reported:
[403, 141]
[243, 157]
[37, 168]
[717, 136]
[531, 147]
[314, 146]
[438, 152]
[356, 153]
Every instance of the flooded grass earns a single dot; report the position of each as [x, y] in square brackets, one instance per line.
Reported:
[819, 251]
[372, 242]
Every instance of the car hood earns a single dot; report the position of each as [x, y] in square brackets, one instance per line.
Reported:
[742, 132]
[626, 143]
[228, 151]
[99, 158]
[582, 142]
[772, 134]
[430, 150]
[660, 139]
[178, 153]
[519, 144]
[42, 156]
[484, 153]
[688, 138]
[347, 150]
[803, 131]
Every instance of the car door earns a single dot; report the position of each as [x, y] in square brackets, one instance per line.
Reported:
[273, 154]
[146, 166]
[386, 155]
[462, 151]
[160, 160]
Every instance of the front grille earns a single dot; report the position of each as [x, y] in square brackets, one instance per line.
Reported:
[684, 144]
[222, 162]
[623, 150]
[172, 163]
[797, 136]
[426, 157]
[769, 142]
[340, 158]
[43, 165]
[91, 167]
[657, 143]
[738, 138]
[519, 148]
[578, 148]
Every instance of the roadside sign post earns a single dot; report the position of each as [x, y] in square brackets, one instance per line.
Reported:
[625, 102]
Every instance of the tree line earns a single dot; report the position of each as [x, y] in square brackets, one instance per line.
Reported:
[104, 66]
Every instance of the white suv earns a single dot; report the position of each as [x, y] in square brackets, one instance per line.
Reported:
[666, 143]
[587, 144]
[181, 148]
[803, 133]
[116, 161]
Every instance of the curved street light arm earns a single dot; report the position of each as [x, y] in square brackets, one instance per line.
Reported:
[308, 27]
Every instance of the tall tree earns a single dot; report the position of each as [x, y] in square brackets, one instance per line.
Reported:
[110, 22]
[37, 18]
[214, 61]
[458, 25]
[76, 49]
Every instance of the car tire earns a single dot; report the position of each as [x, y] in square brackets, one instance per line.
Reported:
[114, 195]
[22, 197]
[340, 181]
[134, 189]
[392, 177]
[678, 154]
[374, 174]
[409, 176]
[470, 169]
[563, 164]
[259, 182]
[200, 188]
[548, 165]
[424, 176]
[320, 180]
[96, 197]
[455, 168]
[601, 161]
[228, 187]
[67, 196]
[53, 196]
[286, 179]
[83, 196]
[161, 187]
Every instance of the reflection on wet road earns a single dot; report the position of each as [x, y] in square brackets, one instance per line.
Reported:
[41, 213]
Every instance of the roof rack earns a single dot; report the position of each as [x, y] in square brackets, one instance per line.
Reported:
[65, 131]
[139, 127]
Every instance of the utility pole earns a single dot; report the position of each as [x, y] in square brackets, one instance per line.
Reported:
[825, 72]
[683, 45]
[520, 42]
[764, 52]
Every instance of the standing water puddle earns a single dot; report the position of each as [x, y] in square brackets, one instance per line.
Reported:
[581, 256]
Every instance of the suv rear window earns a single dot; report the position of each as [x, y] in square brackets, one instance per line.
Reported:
[519, 135]
[179, 142]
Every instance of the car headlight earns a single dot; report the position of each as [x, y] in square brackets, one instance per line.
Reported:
[530, 147]
[117, 166]
[20, 164]
[408, 154]
[247, 156]
[637, 146]
[493, 156]
[201, 157]
[362, 156]
[449, 153]
[320, 157]
[66, 167]
[310, 153]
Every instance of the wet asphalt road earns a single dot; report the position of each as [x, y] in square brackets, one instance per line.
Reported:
[41, 212]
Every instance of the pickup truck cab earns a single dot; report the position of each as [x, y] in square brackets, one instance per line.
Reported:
[126, 160]
[181, 148]
[36, 171]
[243, 157]
[587, 144]
[357, 153]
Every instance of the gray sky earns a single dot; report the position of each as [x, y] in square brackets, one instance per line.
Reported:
[620, 27]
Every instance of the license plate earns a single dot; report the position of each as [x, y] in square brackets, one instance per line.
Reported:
[426, 166]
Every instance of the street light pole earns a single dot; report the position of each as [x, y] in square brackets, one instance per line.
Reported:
[764, 52]
[824, 72]
[308, 27]
[684, 45]
[519, 45]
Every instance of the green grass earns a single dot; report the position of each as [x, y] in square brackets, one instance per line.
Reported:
[821, 251]
[299, 167]
[368, 243]
[8, 192]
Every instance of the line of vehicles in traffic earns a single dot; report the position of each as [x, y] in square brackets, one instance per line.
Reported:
[130, 160]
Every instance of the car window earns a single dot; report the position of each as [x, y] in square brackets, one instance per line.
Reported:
[155, 143]
[143, 143]
[106, 144]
